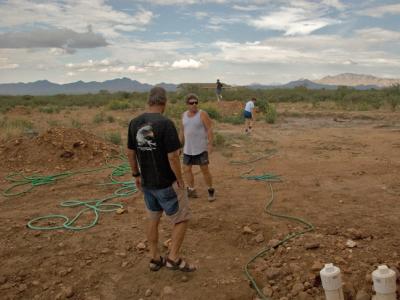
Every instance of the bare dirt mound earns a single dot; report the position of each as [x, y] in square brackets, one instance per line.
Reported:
[60, 148]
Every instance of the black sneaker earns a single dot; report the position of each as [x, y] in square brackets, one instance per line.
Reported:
[211, 195]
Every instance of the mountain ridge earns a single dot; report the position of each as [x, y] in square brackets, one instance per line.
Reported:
[124, 84]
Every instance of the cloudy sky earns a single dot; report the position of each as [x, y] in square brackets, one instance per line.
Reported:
[239, 42]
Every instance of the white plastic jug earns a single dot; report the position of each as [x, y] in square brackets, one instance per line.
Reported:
[332, 282]
[384, 283]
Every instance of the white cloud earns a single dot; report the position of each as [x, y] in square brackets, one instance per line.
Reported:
[334, 3]
[293, 21]
[93, 65]
[313, 50]
[380, 11]
[378, 35]
[73, 14]
[186, 64]
[158, 64]
[200, 15]
[135, 69]
[246, 8]
[6, 65]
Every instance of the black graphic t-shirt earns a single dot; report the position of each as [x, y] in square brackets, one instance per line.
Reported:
[153, 136]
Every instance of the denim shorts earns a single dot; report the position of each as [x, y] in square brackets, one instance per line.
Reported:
[171, 200]
[196, 160]
[247, 114]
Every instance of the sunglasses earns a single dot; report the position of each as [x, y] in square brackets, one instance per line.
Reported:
[193, 102]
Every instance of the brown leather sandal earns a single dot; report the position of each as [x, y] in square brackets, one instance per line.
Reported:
[156, 265]
[180, 265]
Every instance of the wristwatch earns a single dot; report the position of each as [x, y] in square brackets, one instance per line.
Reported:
[136, 174]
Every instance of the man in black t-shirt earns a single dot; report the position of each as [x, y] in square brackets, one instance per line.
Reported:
[153, 154]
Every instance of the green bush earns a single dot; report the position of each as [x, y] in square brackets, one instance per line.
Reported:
[53, 123]
[394, 101]
[114, 137]
[76, 123]
[175, 111]
[110, 119]
[99, 118]
[262, 105]
[5, 123]
[118, 105]
[219, 140]
[271, 115]
[212, 112]
[49, 109]
[233, 119]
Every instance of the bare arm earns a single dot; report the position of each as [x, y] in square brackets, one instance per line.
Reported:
[134, 166]
[175, 163]
[181, 133]
[208, 125]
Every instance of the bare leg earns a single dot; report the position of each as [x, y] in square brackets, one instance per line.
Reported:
[206, 175]
[178, 234]
[152, 237]
[246, 124]
[187, 170]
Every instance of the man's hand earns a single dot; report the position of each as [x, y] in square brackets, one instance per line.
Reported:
[180, 183]
[138, 183]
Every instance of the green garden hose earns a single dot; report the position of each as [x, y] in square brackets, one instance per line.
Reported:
[94, 206]
[308, 227]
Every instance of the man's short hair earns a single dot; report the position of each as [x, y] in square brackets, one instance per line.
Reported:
[254, 98]
[190, 97]
[157, 96]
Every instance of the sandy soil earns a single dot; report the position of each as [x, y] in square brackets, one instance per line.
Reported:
[340, 171]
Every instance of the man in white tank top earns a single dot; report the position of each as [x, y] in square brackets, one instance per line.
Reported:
[197, 137]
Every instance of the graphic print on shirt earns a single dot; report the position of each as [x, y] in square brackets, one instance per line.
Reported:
[145, 138]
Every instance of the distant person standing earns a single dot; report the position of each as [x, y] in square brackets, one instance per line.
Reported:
[249, 114]
[153, 154]
[219, 90]
[197, 137]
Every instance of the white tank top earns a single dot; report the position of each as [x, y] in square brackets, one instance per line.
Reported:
[196, 139]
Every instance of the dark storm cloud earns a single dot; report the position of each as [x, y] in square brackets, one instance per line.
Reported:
[52, 38]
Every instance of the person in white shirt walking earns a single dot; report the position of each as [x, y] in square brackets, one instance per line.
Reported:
[249, 114]
[197, 137]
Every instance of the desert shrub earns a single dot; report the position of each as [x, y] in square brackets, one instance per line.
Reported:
[76, 123]
[53, 123]
[212, 112]
[99, 118]
[110, 119]
[175, 111]
[271, 114]
[394, 101]
[233, 119]
[219, 140]
[262, 105]
[14, 127]
[6, 123]
[118, 105]
[49, 109]
[114, 137]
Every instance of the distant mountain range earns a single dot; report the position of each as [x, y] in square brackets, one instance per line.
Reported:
[44, 87]
[351, 79]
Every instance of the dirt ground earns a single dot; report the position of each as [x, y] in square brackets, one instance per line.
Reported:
[340, 171]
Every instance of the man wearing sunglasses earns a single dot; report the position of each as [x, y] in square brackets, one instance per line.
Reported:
[197, 137]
